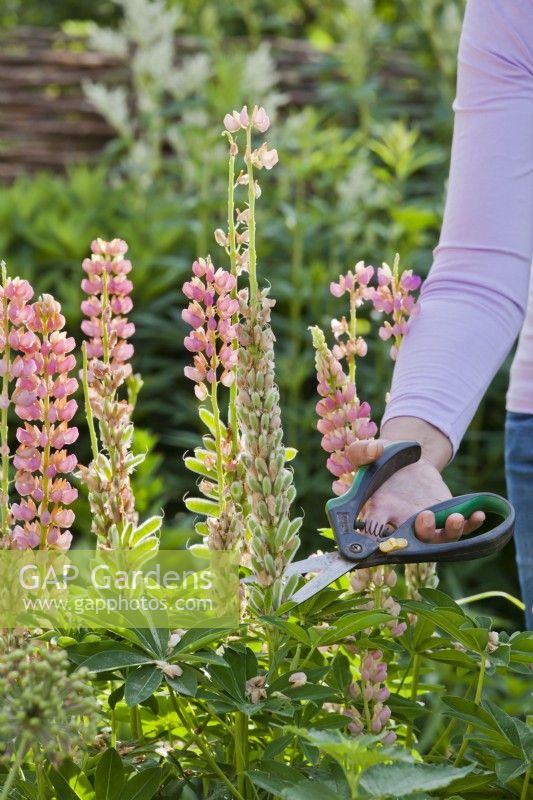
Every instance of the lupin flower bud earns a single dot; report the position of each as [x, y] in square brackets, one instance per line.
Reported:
[393, 297]
[343, 419]
[375, 694]
[297, 679]
[269, 483]
[255, 689]
[238, 120]
[355, 284]
[210, 315]
[41, 399]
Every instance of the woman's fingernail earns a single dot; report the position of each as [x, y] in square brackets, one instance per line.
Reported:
[372, 449]
[426, 519]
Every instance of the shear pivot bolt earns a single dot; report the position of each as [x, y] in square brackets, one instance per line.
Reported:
[355, 548]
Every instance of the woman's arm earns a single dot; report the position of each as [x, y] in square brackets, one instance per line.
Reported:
[473, 302]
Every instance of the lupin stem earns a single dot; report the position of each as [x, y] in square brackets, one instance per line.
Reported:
[218, 441]
[353, 334]
[5, 407]
[88, 409]
[252, 266]
[232, 248]
[19, 757]
[397, 315]
[477, 700]
[105, 314]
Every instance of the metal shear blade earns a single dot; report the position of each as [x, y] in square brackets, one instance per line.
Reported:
[334, 566]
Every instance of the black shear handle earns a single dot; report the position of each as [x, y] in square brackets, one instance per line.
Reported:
[466, 548]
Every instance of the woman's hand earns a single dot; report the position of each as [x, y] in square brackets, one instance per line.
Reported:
[411, 489]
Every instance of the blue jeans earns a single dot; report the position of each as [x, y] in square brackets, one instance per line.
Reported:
[519, 473]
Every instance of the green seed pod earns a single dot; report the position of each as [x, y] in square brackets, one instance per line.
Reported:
[269, 565]
[261, 466]
[254, 484]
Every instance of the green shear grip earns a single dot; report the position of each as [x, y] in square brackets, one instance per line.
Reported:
[352, 491]
[488, 503]
[370, 477]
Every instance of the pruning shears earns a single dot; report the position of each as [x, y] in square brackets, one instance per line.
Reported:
[362, 544]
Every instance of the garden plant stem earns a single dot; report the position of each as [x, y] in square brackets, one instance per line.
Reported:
[252, 255]
[189, 725]
[232, 247]
[414, 691]
[136, 724]
[42, 788]
[218, 439]
[88, 409]
[487, 595]
[19, 757]
[353, 333]
[527, 777]
[477, 699]
[105, 314]
[297, 272]
[449, 727]
[241, 750]
[46, 429]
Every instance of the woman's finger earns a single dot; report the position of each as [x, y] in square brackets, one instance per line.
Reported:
[425, 527]
[364, 452]
[427, 531]
[453, 528]
[474, 522]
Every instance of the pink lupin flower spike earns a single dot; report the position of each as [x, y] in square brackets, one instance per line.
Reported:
[209, 314]
[107, 326]
[394, 298]
[343, 419]
[42, 460]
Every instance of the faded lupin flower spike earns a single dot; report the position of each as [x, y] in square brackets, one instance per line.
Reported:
[269, 483]
[41, 399]
[210, 314]
[343, 419]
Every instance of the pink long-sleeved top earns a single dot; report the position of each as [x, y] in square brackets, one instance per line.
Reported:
[475, 300]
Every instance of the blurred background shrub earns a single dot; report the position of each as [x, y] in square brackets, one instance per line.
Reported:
[364, 146]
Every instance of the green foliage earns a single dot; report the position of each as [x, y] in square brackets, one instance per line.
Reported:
[189, 709]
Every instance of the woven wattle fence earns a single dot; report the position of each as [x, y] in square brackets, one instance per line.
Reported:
[46, 123]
